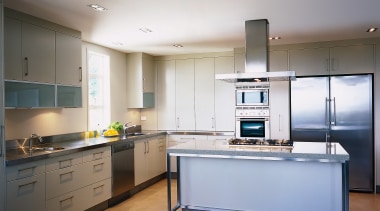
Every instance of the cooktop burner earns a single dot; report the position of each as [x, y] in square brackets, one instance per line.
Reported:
[261, 142]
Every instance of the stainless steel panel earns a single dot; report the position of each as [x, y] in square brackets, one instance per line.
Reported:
[309, 109]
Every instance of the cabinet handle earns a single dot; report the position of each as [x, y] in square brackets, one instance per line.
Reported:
[64, 200]
[29, 183]
[61, 162]
[100, 164]
[61, 175]
[279, 122]
[26, 66]
[27, 169]
[97, 188]
[96, 157]
[177, 122]
[80, 74]
[212, 122]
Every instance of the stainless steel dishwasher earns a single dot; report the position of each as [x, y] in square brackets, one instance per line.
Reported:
[123, 175]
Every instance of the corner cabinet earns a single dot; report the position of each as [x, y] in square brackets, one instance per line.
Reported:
[166, 95]
[42, 65]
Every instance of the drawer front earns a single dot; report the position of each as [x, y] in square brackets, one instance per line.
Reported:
[27, 193]
[65, 161]
[96, 154]
[25, 170]
[97, 170]
[97, 193]
[72, 201]
[63, 181]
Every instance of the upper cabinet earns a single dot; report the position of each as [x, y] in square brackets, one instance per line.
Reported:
[333, 60]
[278, 60]
[68, 60]
[140, 80]
[29, 52]
[39, 56]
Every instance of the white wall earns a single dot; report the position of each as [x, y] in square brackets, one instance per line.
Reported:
[20, 123]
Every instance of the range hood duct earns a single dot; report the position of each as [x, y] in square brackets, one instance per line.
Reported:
[256, 57]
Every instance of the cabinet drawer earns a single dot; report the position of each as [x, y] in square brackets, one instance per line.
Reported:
[63, 181]
[25, 170]
[97, 170]
[96, 154]
[62, 162]
[97, 193]
[27, 193]
[68, 202]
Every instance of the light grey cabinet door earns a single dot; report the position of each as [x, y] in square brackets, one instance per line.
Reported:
[279, 98]
[68, 60]
[12, 49]
[224, 96]
[38, 54]
[312, 61]
[239, 60]
[166, 95]
[278, 60]
[204, 94]
[352, 59]
[184, 94]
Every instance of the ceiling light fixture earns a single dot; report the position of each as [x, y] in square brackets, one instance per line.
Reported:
[97, 7]
[145, 30]
[373, 29]
[178, 46]
[274, 38]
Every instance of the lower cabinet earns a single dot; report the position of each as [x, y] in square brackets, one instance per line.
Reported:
[149, 158]
[76, 181]
[26, 186]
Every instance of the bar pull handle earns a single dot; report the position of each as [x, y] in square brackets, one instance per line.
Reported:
[334, 123]
[26, 66]
[65, 163]
[29, 183]
[80, 74]
[177, 122]
[212, 122]
[327, 121]
[66, 200]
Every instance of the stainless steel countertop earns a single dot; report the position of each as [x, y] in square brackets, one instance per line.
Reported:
[20, 156]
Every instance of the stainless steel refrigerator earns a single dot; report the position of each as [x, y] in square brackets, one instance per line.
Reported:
[337, 109]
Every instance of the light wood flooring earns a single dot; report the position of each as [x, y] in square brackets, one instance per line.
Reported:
[154, 198]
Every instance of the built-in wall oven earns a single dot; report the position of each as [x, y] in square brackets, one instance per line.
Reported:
[252, 123]
[252, 96]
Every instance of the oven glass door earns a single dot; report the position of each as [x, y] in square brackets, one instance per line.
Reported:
[253, 128]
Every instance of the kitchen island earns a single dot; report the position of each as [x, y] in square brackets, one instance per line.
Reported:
[307, 176]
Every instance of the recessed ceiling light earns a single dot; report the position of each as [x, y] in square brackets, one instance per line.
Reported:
[145, 30]
[373, 29]
[97, 7]
[274, 38]
[117, 43]
[178, 46]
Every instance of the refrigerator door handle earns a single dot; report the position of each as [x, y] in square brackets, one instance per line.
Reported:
[327, 121]
[334, 122]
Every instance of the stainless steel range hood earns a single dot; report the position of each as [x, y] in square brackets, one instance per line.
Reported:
[256, 58]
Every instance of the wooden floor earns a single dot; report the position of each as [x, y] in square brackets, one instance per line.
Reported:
[154, 198]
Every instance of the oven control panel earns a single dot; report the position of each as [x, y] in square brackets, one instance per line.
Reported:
[252, 112]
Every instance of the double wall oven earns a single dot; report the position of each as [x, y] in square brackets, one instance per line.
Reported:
[252, 112]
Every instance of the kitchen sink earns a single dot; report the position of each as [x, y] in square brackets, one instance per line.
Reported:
[41, 149]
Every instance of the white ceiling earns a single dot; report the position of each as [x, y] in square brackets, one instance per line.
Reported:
[205, 25]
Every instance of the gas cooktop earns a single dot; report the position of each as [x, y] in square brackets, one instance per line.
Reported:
[260, 142]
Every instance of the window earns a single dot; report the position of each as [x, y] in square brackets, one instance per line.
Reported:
[98, 91]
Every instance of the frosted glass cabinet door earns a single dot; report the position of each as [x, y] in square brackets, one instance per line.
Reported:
[68, 96]
[38, 54]
[29, 95]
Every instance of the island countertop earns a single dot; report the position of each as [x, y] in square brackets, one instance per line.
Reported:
[301, 151]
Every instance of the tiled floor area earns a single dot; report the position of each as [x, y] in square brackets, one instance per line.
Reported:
[154, 198]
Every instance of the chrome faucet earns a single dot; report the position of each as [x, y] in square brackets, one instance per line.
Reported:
[126, 127]
[33, 137]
